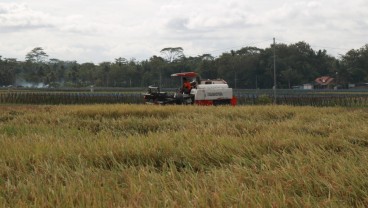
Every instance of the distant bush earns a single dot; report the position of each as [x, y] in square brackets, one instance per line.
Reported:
[264, 100]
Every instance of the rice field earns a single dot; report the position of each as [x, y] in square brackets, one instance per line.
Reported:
[244, 98]
[183, 156]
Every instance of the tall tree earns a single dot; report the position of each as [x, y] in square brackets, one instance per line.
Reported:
[157, 65]
[8, 71]
[356, 64]
[37, 55]
[172, 54]
[87, 73]
[120, 61]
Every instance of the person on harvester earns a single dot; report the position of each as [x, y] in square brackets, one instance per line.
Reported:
[186, 86]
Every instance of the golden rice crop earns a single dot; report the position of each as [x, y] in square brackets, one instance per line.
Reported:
[183, 156]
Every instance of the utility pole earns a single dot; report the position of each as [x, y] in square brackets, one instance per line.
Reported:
[233, 65]
[235, 80]
[274, 71]
[160, 79]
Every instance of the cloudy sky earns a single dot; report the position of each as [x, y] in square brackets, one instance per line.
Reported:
[96, 31]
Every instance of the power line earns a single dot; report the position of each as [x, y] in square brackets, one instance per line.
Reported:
[330, 47]
[249, 44]
[239, 46]
[317, 46]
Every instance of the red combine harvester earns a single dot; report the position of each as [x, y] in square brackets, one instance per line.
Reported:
[201, 92]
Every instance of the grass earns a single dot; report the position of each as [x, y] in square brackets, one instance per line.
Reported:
[183, 156]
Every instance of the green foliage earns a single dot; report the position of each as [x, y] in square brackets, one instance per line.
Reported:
[355, 65]
[264, 100]
[8, 70]
[248, 67]
[172, 53]
[36, 55]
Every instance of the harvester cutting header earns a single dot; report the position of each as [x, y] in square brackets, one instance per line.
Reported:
[193, 91]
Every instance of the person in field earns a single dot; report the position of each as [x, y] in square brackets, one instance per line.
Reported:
[186, 86]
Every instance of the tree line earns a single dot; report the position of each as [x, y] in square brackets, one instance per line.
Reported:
[248, 67]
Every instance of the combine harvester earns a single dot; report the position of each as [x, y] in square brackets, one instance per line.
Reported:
[202, 92]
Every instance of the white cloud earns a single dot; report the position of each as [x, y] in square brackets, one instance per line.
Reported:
[103, 30]
[15, 17]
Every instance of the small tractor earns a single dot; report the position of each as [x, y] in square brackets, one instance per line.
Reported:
[202, 92]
